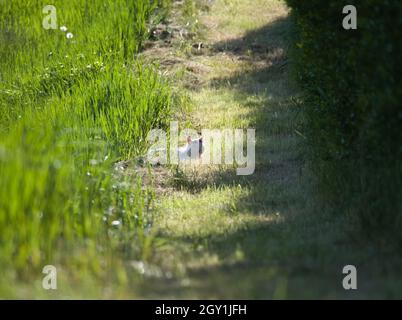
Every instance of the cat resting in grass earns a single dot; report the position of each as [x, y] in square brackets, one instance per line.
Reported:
[192, 150]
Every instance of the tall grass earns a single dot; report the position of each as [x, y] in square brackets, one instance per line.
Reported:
[69, 108]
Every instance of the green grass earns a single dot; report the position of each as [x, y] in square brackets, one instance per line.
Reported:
[69, 108]
[267, 235]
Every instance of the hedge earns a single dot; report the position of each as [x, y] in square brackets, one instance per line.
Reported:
[353, 96]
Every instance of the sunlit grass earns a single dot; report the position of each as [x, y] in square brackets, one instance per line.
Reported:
[69, 108]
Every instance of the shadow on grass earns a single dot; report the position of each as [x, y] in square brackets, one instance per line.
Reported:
[293, 256]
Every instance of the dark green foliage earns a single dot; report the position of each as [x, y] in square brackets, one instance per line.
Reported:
[352, 82]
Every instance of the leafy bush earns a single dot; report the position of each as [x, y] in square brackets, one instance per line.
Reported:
[353, 106]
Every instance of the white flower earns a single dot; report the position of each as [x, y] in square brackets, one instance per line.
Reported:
[115, 223]
[69, 35]
[63, 28]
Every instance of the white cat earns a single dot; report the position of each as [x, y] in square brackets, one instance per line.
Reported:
[192, 150]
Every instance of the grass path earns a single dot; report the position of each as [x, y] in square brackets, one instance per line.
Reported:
[258, 236]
